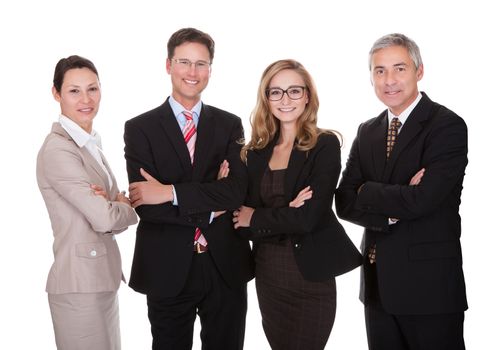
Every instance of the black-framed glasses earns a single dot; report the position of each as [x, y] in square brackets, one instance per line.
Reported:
[185, 63]
[293, 92]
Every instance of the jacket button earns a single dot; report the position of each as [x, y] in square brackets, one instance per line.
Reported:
[92, 253]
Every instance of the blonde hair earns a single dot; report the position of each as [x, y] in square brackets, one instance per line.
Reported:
[264, 125]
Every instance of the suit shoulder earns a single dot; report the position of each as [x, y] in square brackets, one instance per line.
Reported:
[328, 139]
[221, 114]
[442, 116]
[146, 116]
[54, 141]
[374, 121]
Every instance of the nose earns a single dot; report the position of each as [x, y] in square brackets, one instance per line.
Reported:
[390, 78]
[285, 98]
[192, 68]
[85, 97]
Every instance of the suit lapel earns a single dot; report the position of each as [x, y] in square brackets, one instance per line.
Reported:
[88, 158]
[379, 143]
[174, 133]
[294, 168]
[204, 139]
[96, 166]
[411, 128]
[111, 191]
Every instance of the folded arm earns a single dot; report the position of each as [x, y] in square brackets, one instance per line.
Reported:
[305, 211]
[65, 173]
[444, 158]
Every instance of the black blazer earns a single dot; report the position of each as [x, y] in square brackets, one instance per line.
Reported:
[419, 260]
[164, 236]
[321, 247]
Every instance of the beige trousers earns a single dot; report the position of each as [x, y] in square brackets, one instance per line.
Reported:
[86, 321]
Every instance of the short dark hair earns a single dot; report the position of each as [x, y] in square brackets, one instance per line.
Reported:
[68, 63]
[190, 35]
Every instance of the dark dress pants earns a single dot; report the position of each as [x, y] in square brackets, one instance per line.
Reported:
[409, 332]
[222, 311]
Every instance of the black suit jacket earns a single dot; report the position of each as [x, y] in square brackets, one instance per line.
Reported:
[419, 260]
[165, 234]
[321, 247]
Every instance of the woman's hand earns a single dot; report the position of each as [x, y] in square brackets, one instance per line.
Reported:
[305, 194]
[242, 217]
[99, 191]
[122, 198]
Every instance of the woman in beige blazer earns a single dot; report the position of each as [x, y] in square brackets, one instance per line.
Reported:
[86, 210]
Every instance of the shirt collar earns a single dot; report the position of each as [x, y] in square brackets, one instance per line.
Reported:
[405, 114]
[177, 108]
[78, 134]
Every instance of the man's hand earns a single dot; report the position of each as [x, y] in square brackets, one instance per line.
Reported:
[305, 194]
[242, 217]
[222, 172]
[149, 191]
[416, 179]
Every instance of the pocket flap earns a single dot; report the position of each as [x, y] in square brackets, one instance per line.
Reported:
[91, 250]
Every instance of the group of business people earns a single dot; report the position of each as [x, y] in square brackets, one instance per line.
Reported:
[202, 196]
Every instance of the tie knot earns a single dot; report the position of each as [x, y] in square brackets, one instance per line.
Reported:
[188, 115]
[395, 123]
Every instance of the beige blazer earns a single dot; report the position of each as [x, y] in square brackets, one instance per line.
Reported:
[87, 258]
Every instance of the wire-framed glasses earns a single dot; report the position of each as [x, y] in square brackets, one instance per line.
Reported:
[185, 63]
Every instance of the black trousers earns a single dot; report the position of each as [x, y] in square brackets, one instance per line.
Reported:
[409, 332]
[221, 309]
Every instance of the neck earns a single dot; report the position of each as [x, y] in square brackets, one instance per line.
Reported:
[287, 135]
[186, 102]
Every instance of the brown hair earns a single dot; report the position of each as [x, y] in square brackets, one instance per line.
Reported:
[190, 35]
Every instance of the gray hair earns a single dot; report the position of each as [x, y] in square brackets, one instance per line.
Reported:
[397, 39]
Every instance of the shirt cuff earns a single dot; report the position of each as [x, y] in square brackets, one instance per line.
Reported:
[175, 201]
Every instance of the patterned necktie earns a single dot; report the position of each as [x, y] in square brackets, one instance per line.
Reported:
[392, 133]
[189, 133]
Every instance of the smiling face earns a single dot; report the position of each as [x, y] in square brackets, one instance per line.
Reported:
[79, 96]
[188, 81]
[287, 110]
[395, 77]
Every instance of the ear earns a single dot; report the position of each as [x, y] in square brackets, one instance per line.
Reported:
[55, 94]
[168, 65]
[419, 72]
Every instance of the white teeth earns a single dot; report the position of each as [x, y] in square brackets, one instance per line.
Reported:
[191, 81]
[85, 110]
[286, 109]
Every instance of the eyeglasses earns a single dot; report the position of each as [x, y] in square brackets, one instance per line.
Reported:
[294, 93]
[184, 63]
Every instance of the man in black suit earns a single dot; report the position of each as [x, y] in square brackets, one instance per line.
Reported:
[187, 258]
[403, 183]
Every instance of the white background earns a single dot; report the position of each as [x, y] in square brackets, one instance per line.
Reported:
[127, 42]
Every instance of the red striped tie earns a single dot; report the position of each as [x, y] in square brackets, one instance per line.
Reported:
[189, 133]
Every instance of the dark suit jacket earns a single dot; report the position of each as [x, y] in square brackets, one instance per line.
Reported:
[419, 261]
[165, 234]
[321, 247]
